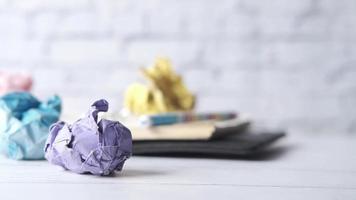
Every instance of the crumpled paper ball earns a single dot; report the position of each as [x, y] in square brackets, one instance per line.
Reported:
[12, 82]
[24, 124]
[166, 91]
[88, 145]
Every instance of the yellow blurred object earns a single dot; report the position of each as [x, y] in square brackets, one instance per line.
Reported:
[165, 93]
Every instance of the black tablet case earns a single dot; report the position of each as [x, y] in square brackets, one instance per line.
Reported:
[243, 143]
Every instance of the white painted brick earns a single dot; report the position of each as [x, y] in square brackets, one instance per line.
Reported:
[277, 8]
[287, 63]
[77, 51]
[12, 26]
[21, 50]
[83, 23]
[162, 18]
[144, 52]
[309, 82]
[240, 25]
[276, 26]
[118, 80]
[316, 26]
[238, 83]
[75, 107]
[341, 81]
[347, 104]
[337, 8]
[296, 108]
[199, 81]
[200, 20]
[344, 28]
[44, 25]
[36, 5]
[301, 54]
[217, 103]
[49, 81]
[230, 53]
[94, 82]
[126, 24]
[3, 3]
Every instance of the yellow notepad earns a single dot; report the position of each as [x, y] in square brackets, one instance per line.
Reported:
[201, 130]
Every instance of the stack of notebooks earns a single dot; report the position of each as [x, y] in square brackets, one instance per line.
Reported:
[199, 134]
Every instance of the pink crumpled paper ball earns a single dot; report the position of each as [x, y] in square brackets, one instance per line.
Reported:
[14, 82]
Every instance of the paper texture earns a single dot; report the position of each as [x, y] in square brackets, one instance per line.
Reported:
[24, 124]
[89, 145]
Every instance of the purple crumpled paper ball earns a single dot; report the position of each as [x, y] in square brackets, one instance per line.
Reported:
[89, 146]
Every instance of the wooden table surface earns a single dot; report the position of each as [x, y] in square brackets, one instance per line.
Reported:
[296, 168]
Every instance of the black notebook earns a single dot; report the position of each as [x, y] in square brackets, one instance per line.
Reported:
[243, 143]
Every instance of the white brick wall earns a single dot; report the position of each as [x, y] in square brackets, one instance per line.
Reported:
[286, 63]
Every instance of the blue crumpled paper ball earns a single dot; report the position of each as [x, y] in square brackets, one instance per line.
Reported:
[24, 124]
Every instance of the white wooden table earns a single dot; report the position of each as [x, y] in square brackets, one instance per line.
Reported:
[301, 168]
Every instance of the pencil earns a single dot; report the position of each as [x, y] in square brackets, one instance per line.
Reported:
[173, 118]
